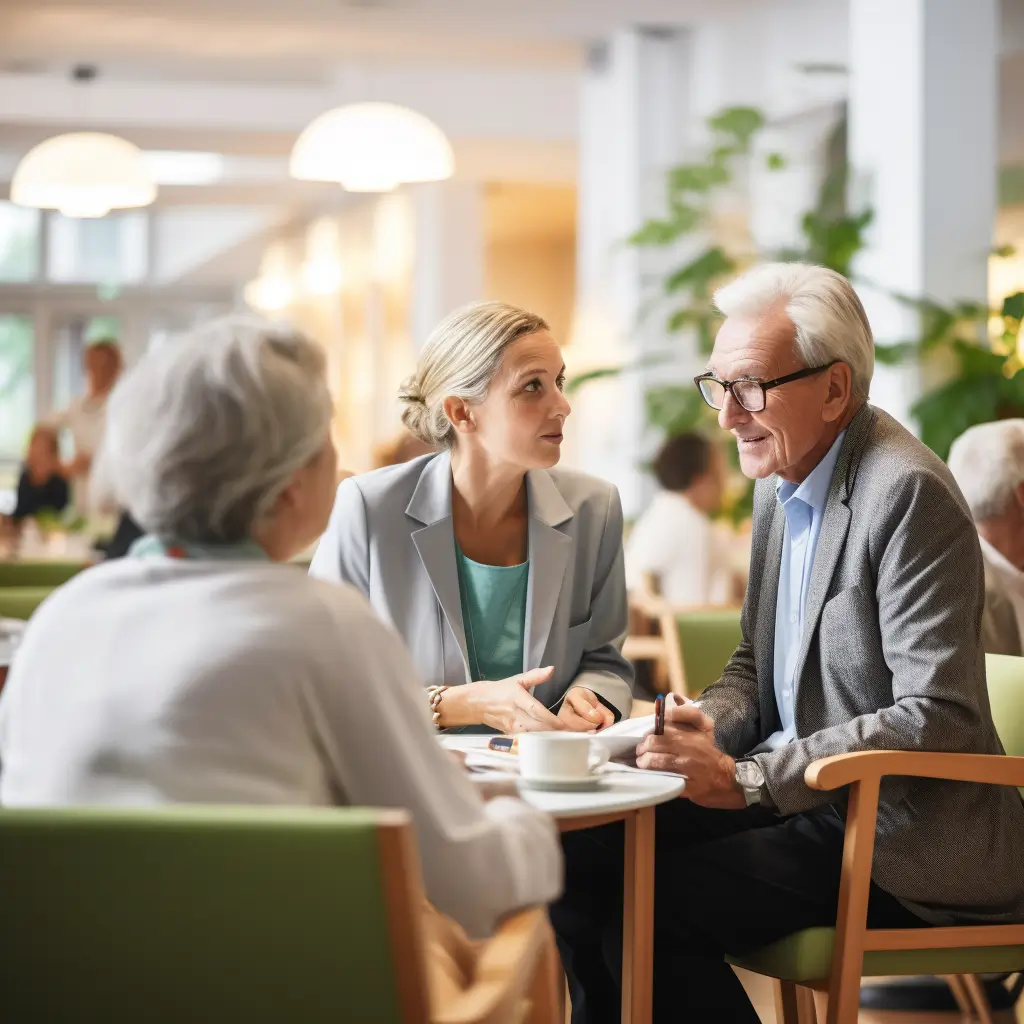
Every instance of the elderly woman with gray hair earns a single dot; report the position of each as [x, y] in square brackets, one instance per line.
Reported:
[200, 669]
[503, 574]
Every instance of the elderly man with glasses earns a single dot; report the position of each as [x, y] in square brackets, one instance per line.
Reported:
[860, 632]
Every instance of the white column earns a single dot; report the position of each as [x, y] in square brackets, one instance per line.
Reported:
[635, 104]
[449, 252]
[923, 123]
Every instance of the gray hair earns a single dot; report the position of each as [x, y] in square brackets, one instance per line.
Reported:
[828, 316]
[460, 359]
[987, 463]
[205, 433]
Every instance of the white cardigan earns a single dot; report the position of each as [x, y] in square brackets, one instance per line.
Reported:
[155, 680]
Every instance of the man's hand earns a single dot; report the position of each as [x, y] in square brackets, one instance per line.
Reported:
[688, 748]
[581, 711]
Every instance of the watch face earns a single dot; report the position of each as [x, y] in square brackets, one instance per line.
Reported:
[749, 775]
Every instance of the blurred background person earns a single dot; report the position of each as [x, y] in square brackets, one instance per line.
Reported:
[988, 464]
[675, 548]
[200, 670]
[85, 417]
[41, 486]
[502, 573]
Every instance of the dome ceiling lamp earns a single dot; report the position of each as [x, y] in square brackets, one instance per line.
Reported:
[83, 174]
[372, 147]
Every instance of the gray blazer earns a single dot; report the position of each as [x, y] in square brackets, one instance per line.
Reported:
[391, 536]
[890, 659]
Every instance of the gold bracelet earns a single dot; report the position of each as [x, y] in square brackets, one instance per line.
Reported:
[434, 695]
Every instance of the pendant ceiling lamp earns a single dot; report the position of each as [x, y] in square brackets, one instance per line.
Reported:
[372, 147]
[83, 174]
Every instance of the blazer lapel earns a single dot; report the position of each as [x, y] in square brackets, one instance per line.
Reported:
[835, 524]
[549, 551]
[431, 504]
[764, 629]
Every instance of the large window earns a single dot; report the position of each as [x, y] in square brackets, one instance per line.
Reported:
[19, 243]
[111, 250]
[17, 398]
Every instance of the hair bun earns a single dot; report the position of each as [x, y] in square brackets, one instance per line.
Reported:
[410, 393]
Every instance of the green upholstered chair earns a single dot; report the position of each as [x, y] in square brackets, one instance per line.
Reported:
[806, 960]
[38, 574]
[21, 602]
[187, 914]
[707, 639]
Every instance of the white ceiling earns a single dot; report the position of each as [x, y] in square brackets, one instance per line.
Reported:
[307, 39]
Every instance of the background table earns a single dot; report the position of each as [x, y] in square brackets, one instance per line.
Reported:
[629, 797]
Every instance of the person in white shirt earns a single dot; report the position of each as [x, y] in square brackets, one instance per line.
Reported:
[200, 669]
[693, 560]
[988, 464]
[85, 418]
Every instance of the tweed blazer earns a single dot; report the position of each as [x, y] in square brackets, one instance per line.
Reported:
[890, 659]
[391, 536]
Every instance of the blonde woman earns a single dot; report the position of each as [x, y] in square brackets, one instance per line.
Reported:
[503, 575]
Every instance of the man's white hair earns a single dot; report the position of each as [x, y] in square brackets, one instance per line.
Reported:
[205, 432]
[828, 316]
[987, 462]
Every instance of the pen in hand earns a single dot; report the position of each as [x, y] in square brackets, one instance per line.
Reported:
[659, 715]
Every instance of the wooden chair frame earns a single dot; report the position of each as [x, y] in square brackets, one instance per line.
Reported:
[663, 647]
[518, 974]
[862, 772]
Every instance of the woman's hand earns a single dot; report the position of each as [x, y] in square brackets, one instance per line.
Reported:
[581, 711]
[505, 704]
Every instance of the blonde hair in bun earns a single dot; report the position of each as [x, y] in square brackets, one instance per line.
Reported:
[460, 359]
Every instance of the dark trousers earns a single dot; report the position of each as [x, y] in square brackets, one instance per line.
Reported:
[726, 882]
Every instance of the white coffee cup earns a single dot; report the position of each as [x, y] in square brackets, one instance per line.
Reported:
[558, 756]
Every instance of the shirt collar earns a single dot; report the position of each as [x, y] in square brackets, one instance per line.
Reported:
[813, 489]
[1000, 562]
[149, 546]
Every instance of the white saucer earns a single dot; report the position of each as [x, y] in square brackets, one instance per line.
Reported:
[583, 785]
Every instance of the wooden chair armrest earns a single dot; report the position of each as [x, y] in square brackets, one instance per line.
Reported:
[862, 765]
[506, 971]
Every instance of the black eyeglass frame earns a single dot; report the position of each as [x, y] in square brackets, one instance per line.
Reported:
[765, 385]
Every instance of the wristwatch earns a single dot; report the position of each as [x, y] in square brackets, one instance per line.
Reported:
[750, 779]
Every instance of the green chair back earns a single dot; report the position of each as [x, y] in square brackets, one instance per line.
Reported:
[38, 574]
[194, 914]
[1006, 695]
[21, 602]
[708, 638]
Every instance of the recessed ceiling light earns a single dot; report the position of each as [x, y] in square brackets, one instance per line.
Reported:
[184, 167]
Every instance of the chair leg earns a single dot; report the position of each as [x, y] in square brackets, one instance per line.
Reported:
[787, 1009]
[960, 994]
[976, 991]
[844, 1006]
[805, 1009]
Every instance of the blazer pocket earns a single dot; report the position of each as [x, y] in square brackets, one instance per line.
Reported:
[575, 644]
[852, 663]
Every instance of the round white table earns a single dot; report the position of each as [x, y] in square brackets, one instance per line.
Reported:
[630, 797]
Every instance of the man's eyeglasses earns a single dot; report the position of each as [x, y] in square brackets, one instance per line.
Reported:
[749, 393]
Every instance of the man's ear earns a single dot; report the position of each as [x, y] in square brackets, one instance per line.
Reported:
[840, 387]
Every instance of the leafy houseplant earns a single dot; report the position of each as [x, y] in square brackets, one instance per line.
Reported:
[693, 190]
[987, 382]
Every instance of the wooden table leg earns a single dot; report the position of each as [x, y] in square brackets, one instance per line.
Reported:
[638, 919]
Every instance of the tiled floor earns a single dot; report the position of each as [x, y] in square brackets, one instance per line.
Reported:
[760, 991]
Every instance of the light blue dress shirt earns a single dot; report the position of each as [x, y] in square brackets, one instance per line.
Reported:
[804, 506]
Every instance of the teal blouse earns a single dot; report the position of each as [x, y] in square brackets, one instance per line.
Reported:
[494, 615]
